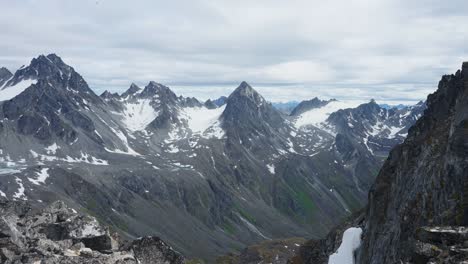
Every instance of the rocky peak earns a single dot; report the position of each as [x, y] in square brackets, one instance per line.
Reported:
[108, 95]
[307, 105]
[210, 104]
[247, 114]
[246, 92]
[154, 89]
[131, 91]
[5, 75]
[43, 67]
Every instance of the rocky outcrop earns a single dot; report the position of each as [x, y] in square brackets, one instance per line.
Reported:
[58, 234]
[447, 244]
[424, 180]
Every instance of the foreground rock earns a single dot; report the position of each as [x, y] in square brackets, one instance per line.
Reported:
[447, 244]
[58, 234]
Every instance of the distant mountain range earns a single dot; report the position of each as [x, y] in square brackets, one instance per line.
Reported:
[207, 177]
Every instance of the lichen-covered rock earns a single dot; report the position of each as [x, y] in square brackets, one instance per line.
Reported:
[58, 234]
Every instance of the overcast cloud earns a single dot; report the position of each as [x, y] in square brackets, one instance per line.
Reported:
[390, 50]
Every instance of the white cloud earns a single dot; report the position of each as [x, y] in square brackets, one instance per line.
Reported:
[388, 49]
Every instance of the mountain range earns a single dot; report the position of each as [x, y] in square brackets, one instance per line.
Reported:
[207, 177]
[417, 210]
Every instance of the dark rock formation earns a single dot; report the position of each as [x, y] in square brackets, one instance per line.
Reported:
[5, 75]
[423, 182]
[57, 234]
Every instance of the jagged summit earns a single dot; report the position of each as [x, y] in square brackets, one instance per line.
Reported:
[108, 95]
[50, 67]
[132, 90]
[156, 89]
[307, 105]
[5, 75]
[4, 71]
[244, 88]
[246, 91]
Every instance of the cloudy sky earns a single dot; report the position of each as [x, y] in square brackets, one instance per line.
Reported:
[390, 50]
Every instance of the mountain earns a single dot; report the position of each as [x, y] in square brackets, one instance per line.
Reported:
[305, 106]
[5, 75]
[207, 179]
[389, 106]
[220, 101]
[285, 107]
[417, 209]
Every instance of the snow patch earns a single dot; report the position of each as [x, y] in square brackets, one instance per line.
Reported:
[41, 176]
[271, 168]
[138, 114]
[350, 243]
[52, 149]
[20, 193]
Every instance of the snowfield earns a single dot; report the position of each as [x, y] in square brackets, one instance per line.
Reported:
[9, 92]
[138, 115]
[318, 115]
[350, 243]
[201, 119]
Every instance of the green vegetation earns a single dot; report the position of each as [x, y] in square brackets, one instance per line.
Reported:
[229, 228]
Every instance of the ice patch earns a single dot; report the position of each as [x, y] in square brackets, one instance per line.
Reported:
[350, 243]
[11, 91]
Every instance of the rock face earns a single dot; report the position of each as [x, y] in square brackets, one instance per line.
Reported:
[57, 234]
[424, 182]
